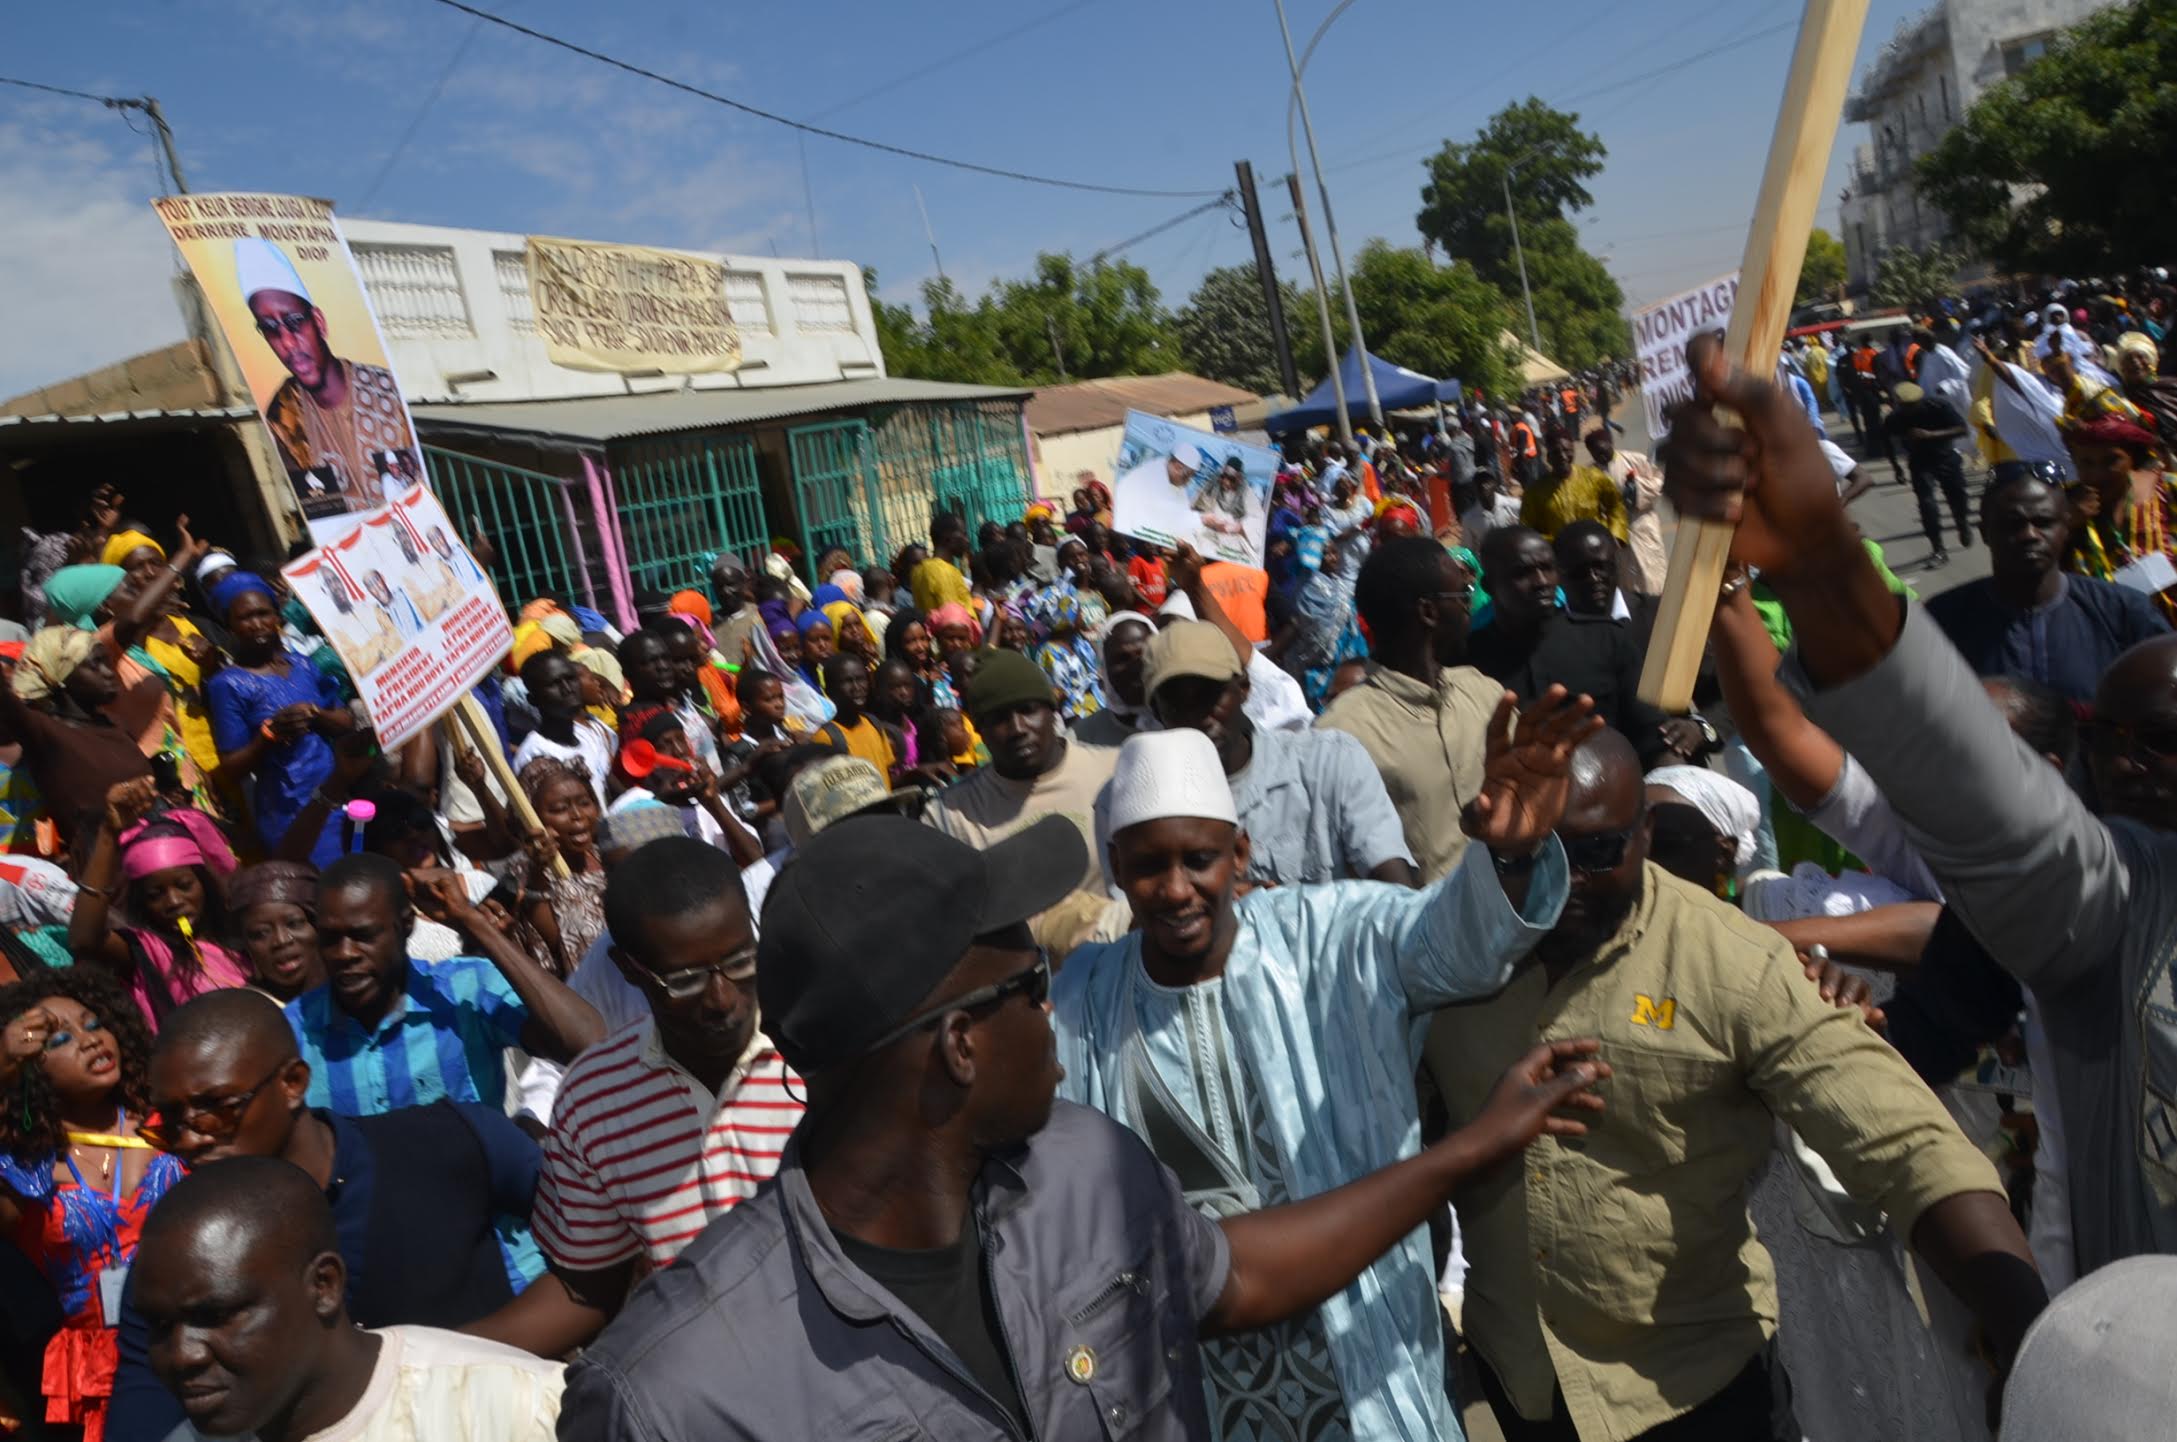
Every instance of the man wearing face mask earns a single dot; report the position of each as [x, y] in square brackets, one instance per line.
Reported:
[1618, 1287]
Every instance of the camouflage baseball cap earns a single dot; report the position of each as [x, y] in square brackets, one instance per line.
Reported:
[834, 789]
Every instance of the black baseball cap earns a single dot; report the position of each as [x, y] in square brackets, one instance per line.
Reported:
[871, 915]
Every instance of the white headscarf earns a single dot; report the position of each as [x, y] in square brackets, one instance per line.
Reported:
[1722, 802]
[1112, 700]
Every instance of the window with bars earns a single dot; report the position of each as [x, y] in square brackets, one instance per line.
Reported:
[746, 301]
[416, 290]
[511, 267]
[820, 302]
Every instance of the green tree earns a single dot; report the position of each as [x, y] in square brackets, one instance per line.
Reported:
[1103, 320]
[1823, 270]
[1547, 159]
[1916, 278]
[1224, 329]
[2063, 166]
[1441, 320]
[954, 342]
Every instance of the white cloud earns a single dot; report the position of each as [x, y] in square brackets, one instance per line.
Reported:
[90, 271]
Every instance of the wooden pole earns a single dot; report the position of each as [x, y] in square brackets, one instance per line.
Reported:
[486, 741]
[1791, 188]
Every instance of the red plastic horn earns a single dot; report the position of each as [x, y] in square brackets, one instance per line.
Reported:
[640, 757]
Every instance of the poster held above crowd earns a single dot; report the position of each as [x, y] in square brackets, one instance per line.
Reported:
[1179, 486]
[408, 609]
[1660, 333]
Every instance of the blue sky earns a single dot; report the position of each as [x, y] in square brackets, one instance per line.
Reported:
[279, 96]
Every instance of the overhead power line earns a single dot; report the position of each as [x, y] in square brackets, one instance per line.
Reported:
[63, 90]
[761, 114]
[1679, 64]
[988, 43]
[400, 147]
[1225, 199]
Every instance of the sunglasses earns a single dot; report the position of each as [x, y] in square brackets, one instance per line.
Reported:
[1599, 851]
[691, 982]
[294, 323]
[2111, 738]
[213, 1118]
[1034, 983]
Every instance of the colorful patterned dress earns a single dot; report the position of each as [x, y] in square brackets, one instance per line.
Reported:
[72, 1232]
[2105, 545]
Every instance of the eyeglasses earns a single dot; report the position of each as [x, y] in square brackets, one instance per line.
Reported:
[2111, 738]
[213, 1118]
[1034, 983]
[690, 982]
[294, 323]
[1600, 851]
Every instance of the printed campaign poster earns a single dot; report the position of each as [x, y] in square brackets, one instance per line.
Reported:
[1179, 486]
[407, 607]
[1660, 333]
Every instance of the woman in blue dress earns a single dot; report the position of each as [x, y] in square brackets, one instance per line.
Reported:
[273, 717]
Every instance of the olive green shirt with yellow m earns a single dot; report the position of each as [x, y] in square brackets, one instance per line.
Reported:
[1622, 1266]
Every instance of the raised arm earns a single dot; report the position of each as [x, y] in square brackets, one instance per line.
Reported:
[1463, 933]
[2035, 875]
[1288, 1259]
[135, 621]
[1802, 761]
[1186, 576]
[91, 937]
[561, 1024]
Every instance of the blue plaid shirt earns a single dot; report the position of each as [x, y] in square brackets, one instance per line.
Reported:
[442, 1037]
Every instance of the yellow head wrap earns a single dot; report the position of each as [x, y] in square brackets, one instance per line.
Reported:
[121, 544]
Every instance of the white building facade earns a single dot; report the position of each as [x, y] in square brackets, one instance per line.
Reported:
[454, 306]
[1912, 95]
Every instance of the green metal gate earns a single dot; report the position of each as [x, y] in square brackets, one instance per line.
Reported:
[966, 457]
[835, 490]
[520, 511]
[684, 499]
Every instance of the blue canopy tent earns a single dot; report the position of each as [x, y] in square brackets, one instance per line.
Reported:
[1397, 388]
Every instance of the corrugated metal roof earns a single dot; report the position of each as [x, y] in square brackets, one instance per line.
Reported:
[122, 418]
[595, 419]
[1092, 405]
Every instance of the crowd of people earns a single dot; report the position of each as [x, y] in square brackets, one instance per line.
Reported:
[1038, 985]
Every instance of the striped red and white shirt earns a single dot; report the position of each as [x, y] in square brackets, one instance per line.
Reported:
[641, 1157]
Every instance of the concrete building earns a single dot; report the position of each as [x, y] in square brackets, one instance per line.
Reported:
[1913, 93]
[1076, 428]
[454, 306]
[593, 485]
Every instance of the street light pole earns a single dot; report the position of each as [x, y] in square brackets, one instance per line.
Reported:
[1330, 223]
[1534, 333]
[1322, 309]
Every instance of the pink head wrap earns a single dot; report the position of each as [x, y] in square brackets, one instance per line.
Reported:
[151, 845]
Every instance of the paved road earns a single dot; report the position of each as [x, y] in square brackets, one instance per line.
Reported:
[1888, 514]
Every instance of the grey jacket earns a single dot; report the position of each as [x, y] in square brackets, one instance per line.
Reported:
[762, 1329]
[2082, 911]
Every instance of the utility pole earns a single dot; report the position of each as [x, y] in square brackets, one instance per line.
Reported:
[1330, 221]
[931, 234]
[1050, 328]
[1534, 333]
[1322, 307]
[1266, 272]
[150, 107]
